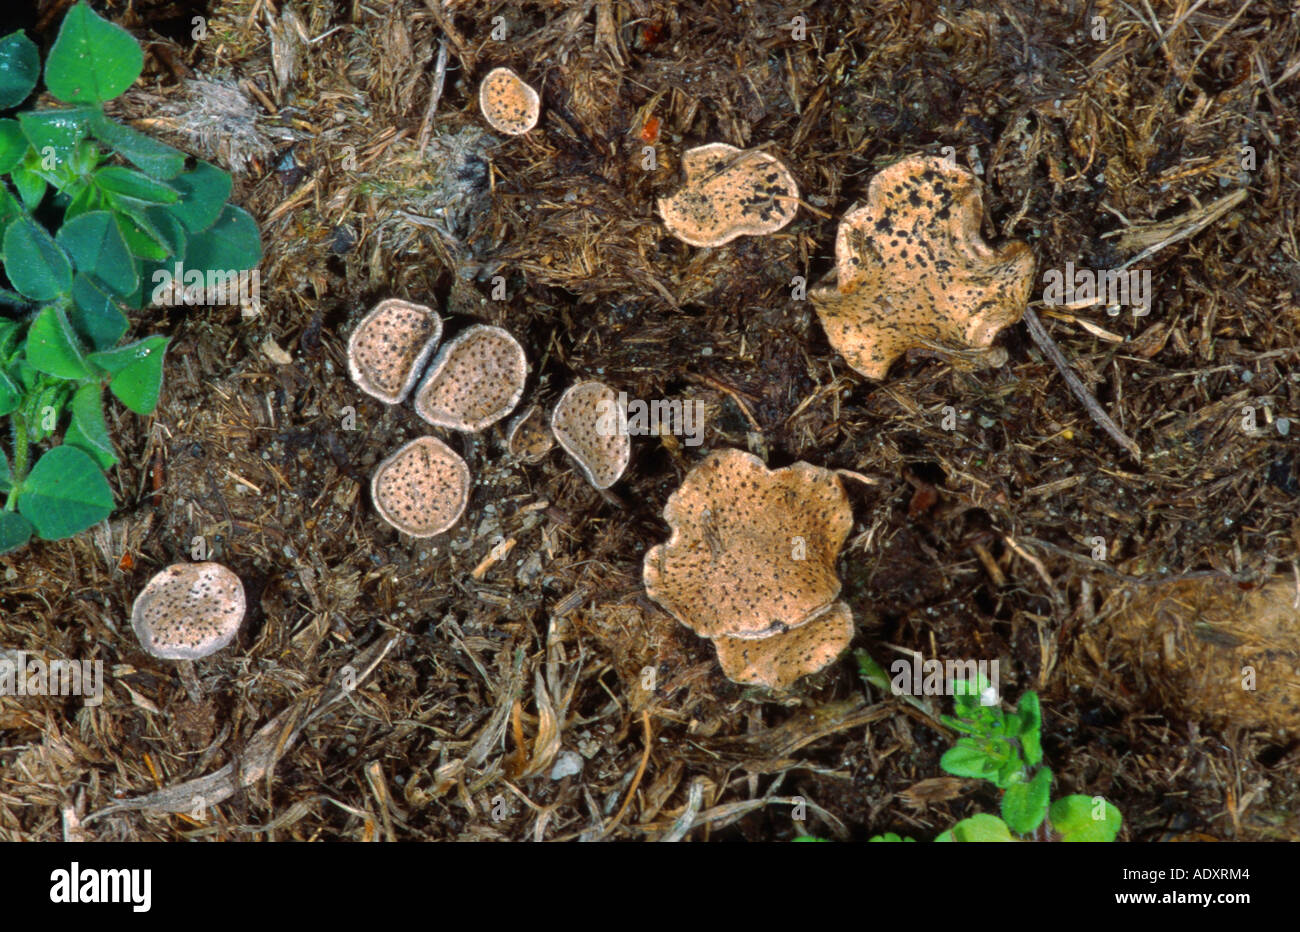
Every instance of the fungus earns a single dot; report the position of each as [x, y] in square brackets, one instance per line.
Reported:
[508, 104]
[729, 192]
[422, 489]
[753, 550]
[476, 380]
[912, 269]
[528, 438]
[188, 611]
[586, 422]
[779, 660]
[390, 346]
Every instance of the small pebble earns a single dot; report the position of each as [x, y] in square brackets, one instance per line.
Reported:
[568, 764]
[1283, 426]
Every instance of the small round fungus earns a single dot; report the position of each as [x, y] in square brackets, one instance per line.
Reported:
[422, 489]
[390, 346]
[753, 550]
[188, 611]
[779, 660]
[587, 423]
[528, 437]
[510, 105]
[474, 381]
[729, 192]
[911, 267]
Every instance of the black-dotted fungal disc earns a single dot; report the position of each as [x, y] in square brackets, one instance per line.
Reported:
[510, 105]
[777, 661]
[587, 424]
[753, 550]
[911, 266]
[390, 346]
[422, 489]
[528, 437]
[476, 380]
[188, 611]
[729, 192]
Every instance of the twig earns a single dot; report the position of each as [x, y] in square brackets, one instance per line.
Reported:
[1048, 346]
[439, 79]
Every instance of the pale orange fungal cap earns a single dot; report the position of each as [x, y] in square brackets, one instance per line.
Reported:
[474, 381]
[729, 192]
[390, 346]
[188, 611]
[508, 103]
[586, 424]
[422, 489]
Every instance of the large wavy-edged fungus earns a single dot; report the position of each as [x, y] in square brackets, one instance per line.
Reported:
[474, 381]
[390, 346]
[779, 660]
[753, 549]
[1206, 648]
[508, 103]
[729, 192]
[422, 489]
[188, 611]
[587, 424]
[528, 437]
[912, 268]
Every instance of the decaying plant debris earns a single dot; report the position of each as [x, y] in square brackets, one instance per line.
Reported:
[524, 634]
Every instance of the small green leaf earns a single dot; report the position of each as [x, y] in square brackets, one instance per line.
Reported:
[97, 248]
[127, 182]
[13, 145]
[979, 827]
[34, 262]
[52, 346]
[231, 244]
[1072, 817]
[92, 60]
[1031, 726]
[203, 191]
[95, 313]
[1024, 805]
[64, 494]
[141, 238]
[15, 530]
[808, 838]
[136, 370]
[6, 474]
[890, 837]
[145, 152]
[88, 431]
[170, 228]
[11, 396]
[964, 761]
[20, 69]
[54, 134]
[31, 186]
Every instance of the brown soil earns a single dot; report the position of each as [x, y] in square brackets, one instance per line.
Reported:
[976, 542]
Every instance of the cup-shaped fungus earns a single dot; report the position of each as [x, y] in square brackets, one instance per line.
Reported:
[422, 489]
[508, 103]
[588, 424]
[390, 346]
[911, 267]
[474, 381]
[729, 192]
[528, 438]
[188, 611]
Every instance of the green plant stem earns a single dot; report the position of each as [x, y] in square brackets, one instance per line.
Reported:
[21, 447]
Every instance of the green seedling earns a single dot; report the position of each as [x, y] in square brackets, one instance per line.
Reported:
[92, 214]
[1006, 749]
